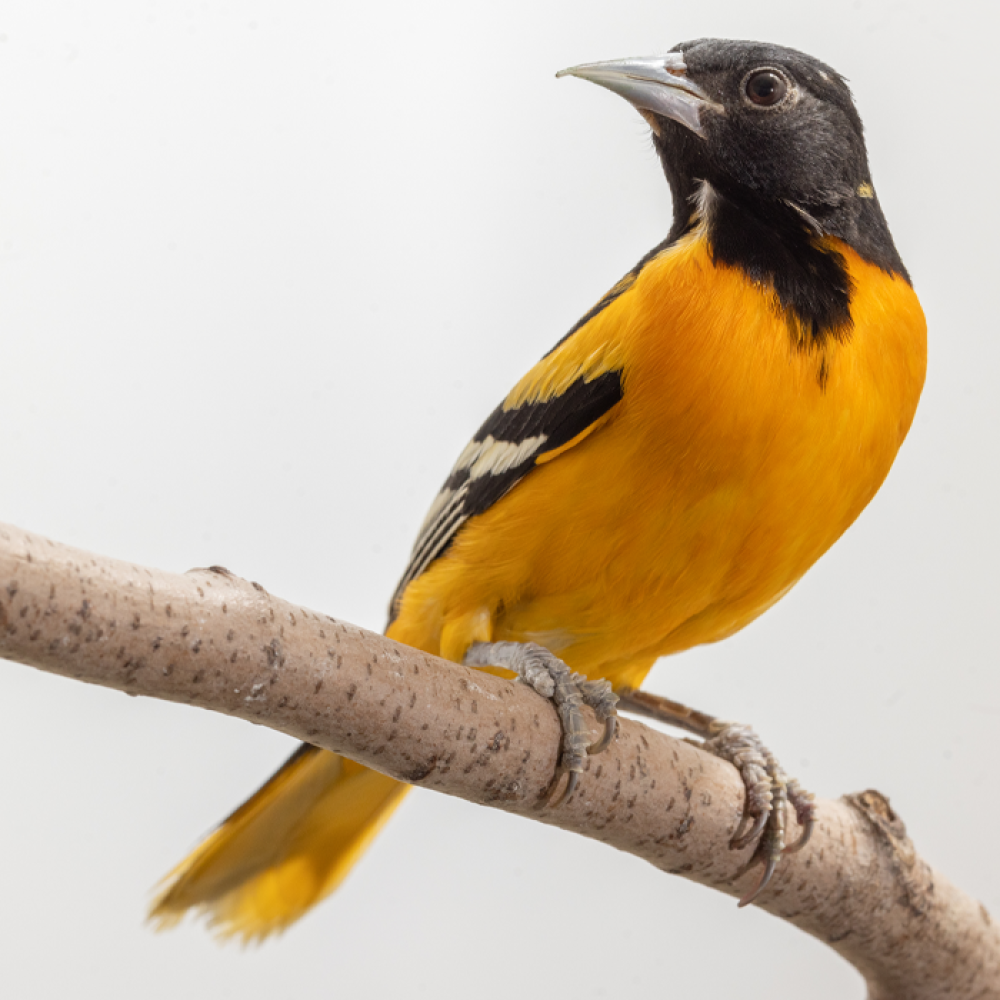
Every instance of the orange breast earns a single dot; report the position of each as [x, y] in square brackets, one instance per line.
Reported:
[734, 460]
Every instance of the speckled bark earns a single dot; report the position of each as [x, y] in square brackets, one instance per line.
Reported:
[207, 638]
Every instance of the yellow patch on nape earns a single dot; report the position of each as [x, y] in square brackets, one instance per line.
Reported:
[865, 190]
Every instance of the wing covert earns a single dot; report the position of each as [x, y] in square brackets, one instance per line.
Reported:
[503, 451]
[567, 392]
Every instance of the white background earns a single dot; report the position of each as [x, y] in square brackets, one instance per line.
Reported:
[264, 266]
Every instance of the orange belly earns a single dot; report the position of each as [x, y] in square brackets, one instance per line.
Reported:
[733, 462]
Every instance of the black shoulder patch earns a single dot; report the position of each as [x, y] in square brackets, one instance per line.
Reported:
[502, 452]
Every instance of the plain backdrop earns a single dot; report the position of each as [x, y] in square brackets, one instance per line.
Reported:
[264, 267]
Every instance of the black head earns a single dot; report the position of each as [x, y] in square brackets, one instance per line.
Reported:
[774, 123]
[770, 138]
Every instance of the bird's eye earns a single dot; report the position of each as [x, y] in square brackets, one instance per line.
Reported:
[766, 88]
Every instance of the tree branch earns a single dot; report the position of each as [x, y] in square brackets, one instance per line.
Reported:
[210, 639]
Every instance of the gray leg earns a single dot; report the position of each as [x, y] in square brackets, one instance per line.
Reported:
[551, 678]
[768, 788]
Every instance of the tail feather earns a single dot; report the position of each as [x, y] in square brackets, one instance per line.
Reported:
[287, 847]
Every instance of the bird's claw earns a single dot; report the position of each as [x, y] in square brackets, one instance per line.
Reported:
[768, 791]
[602, 744]
[551, 678]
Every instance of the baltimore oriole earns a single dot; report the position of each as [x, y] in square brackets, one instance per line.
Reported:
[664, 474]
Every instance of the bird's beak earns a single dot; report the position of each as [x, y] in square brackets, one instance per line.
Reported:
[652, 83]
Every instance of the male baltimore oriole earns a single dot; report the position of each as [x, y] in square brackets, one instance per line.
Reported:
[664, 474]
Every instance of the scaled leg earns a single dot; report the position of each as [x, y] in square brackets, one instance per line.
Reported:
[551, 678]
[767, 786]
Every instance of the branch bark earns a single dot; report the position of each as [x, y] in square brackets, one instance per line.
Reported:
[210, 639]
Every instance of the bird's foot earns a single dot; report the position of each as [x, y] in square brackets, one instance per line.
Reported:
[551, 678]
[768, 791]
[768, 788]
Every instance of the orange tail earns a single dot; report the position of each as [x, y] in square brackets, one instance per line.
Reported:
[287, 847]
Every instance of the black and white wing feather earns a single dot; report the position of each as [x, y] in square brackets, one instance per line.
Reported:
[525, 428]
[502, 452]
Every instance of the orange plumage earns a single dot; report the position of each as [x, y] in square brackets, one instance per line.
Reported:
[670, 469]
[726, 471]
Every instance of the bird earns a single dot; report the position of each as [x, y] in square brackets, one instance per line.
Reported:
[660, 478]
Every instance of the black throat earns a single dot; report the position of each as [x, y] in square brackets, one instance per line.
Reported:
[781, 246]
[778, 247]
